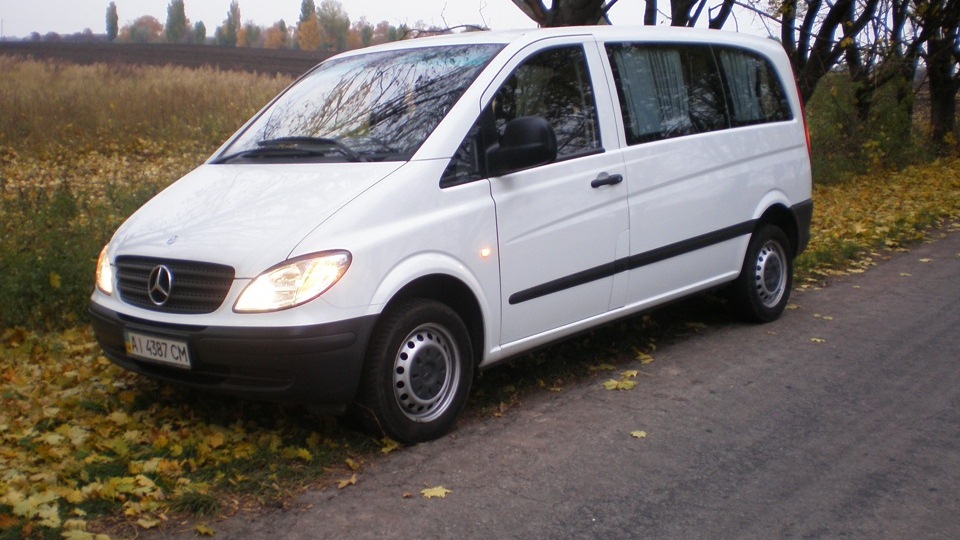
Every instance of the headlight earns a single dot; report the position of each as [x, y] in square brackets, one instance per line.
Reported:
[104, 273]
[293, 282]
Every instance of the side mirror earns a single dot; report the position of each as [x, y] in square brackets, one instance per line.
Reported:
[527, 142]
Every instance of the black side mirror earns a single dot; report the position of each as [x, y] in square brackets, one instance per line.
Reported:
[527, 142]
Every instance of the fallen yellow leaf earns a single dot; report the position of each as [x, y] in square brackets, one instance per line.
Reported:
[438, 492]
[644, 358]
[204, 530]
[638, 434]
[148, 523]
[818, 340]
[602, 367]
[614, 384]
[352, 481]
[388, 445]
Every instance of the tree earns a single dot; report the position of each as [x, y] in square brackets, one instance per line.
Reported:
[145, 29]
[113, 21]
[576, 12]
[308, 10]
[940, 25]
[361, 34]
[688, 12]
[881, 54]
[565, 12]
[308, 34]
[177, 27]
[277, 36]
[250, 35]
[199, 33]
[334, 25]
[813, 46]
[228, 31]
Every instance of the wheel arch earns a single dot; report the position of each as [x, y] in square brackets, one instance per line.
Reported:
[454, 293]
[782, 217]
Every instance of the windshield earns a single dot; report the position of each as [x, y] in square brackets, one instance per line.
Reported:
[371, 107]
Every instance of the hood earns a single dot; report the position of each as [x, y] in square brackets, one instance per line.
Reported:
[247, 216]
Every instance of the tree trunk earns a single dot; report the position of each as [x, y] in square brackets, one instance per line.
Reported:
[943, 91]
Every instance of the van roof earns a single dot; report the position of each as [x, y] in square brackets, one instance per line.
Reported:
[603, 33]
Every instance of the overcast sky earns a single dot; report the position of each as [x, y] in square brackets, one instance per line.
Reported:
[22, 17]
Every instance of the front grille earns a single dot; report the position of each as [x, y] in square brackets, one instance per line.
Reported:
[197, 287]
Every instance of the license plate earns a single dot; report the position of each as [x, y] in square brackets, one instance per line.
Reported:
[157, 349]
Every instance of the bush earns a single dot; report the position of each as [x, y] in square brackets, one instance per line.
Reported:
[55, 218]
[844, 145]
[81, 147]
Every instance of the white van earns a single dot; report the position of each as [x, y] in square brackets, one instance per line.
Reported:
[407, 214]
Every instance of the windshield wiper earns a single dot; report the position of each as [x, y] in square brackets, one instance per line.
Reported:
[293, 147]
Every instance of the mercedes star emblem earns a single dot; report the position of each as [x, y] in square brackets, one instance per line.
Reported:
[159, 285]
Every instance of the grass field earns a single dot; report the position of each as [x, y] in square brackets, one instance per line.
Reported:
[87, 448]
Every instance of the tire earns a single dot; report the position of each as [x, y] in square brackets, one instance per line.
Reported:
[417, 373]
[762, 290]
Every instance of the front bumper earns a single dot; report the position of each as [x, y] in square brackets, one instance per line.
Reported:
[318, 365]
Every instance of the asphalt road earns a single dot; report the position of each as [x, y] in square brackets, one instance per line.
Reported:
[840, 420]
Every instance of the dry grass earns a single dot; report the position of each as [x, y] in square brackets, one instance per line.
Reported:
[46, 106]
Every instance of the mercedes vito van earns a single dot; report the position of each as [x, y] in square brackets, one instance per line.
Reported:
[404, 215]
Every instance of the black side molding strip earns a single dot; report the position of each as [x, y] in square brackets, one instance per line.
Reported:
[633, 262]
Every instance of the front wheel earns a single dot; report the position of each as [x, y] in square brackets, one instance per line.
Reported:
[762, 290]
[417, 373]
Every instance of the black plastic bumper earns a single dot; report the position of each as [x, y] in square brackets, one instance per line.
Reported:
[804, 215]
[318, 365]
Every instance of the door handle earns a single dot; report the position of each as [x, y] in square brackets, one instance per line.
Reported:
[609, 180]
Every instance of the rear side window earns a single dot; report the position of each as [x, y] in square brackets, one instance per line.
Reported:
[756, 95]
[671, 91]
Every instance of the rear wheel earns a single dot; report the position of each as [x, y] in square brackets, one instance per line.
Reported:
[417, 374]
[762, 290]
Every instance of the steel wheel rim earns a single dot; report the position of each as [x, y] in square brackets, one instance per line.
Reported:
[770, 277]
[425, 373]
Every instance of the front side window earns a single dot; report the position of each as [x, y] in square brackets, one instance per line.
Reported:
[373, 106]
[554, 85]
